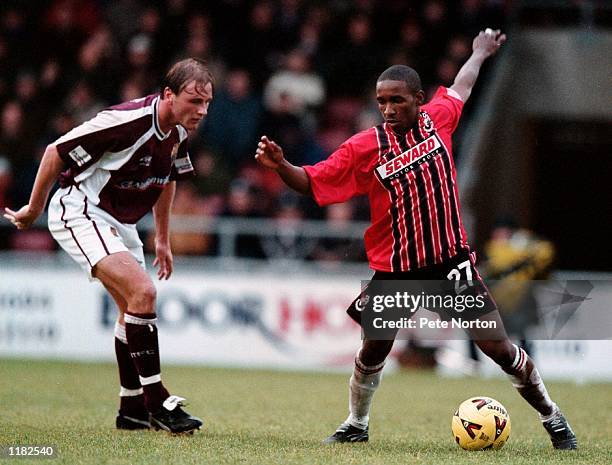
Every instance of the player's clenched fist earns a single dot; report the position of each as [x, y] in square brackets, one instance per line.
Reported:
[269, 153]
[488, 41]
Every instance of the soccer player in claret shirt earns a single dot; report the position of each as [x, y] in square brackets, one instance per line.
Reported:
[115, 168]
[405, 167]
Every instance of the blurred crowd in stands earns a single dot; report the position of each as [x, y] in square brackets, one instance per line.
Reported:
[302, 72]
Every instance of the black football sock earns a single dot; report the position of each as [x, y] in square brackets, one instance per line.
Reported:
[131, 393]
[143, 345]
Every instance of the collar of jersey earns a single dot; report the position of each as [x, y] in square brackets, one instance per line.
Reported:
[156, 127]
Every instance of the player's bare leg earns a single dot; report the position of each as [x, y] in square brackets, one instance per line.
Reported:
[132, 411]
[526, 379]
[364, 381]
[122, 273]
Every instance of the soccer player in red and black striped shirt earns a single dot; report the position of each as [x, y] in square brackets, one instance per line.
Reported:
[405, 167]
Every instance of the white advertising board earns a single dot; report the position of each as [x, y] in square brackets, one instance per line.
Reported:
[242, 319]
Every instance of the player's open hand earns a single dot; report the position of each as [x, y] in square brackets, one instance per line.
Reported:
[269, 153]
[163, 260]
[488, 42]
[22, 218]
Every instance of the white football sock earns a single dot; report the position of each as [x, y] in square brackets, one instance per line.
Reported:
[364, 382]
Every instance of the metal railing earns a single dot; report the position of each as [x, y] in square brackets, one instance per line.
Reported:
[228, 230]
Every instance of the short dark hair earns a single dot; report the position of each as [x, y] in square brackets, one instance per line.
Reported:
[402, 73]
[185, 71]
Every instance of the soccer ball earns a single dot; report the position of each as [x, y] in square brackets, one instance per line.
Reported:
[481, 423]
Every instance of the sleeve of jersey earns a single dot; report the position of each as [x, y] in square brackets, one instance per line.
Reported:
[182, 167]
[445, 109]
[333, 180]
[86, 144]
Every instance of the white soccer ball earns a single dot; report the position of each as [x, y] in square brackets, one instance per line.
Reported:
[481, 423]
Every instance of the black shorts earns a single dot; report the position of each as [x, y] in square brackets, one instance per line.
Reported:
[453, 281]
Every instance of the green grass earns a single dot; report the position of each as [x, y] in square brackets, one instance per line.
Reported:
[267, 417]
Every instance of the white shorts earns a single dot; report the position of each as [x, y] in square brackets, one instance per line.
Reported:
[88, 233]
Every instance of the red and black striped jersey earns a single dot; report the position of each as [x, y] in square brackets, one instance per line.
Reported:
[411, 184]
[121, 160]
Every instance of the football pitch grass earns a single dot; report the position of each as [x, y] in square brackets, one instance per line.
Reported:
[273, 417]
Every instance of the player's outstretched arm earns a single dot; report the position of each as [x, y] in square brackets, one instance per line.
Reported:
[485, 44]
[270, 155]
[50, 167]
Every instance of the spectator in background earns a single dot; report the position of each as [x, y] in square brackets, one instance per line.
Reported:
[368, 115]
[65, 31]
[515, 258]
[234, 119]
[17, 146]
[242, 202]
[50, 80]
[357, 52]
[123, 16]
[59, 124]
[259, 53]
[458, 48]
[436, 22]
[200, 44]
[213, 177]
[132, 88]
[34, 103]
[281, 121]
[288, 243]
[199, 25]
[172, 29]
[187, 201]
[288, 24]
[303, 89]
[333, 250]
[446, 70]
[99, 65]
[309, 39]
[82, 103]
[151, 27]
[412, 46]
[18, 40]
[268, 188]
[140, 60]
